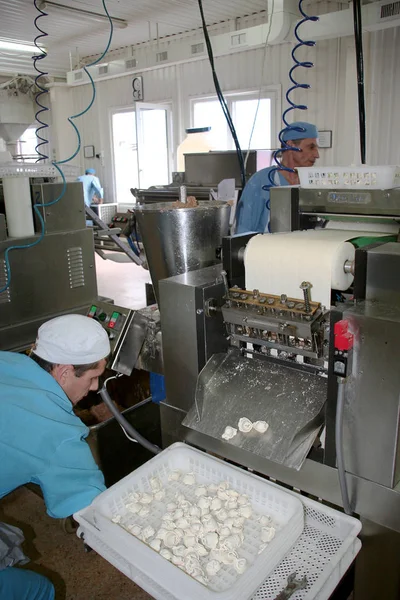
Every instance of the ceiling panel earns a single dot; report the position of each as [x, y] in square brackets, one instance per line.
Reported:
[82, 35]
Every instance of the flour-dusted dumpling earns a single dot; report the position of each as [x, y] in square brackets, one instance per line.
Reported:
[182, 523]
[231, 504]
[216, 504]
[267, 534]
[172, 507]
[116, 519]
[240, 565]
[221, 515]
[190, 540]
[243, 500]
[229, 433]
[210, 540]
[146, 498]
[245, 425]
[160, 495]
[155, 484]
[232, 542]
[166, 554]
[135, 529]
[189, 479]
[209, 523]
[223, 531]
[171, 539]
[260, 426]
[245, 511]
[179, 550]
[213, 567]
[201, 491]
[177, 560]
[174, 476]
[144, 512]
[265, 521]
[133, 507]
[155, 544]
[147, 532]
[194, 511]
[238, 522]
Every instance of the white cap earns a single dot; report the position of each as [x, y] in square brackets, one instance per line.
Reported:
[72, 340]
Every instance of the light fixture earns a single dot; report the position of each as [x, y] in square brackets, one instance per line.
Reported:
[17, 47]
[120, 23]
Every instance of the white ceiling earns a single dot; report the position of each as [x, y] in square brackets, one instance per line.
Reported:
[82, 35]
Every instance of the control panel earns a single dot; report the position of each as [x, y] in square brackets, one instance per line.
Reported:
[114, 319]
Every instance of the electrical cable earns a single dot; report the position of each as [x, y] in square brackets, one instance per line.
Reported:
[360, 74]
[292, 105]
[37, 205]
[261, 82]
[221, 97]
[128, 429]
[339, 446]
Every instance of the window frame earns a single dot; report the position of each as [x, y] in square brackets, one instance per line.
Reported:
[271, 92]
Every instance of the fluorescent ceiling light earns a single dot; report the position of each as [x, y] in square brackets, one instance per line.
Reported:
[4, 45]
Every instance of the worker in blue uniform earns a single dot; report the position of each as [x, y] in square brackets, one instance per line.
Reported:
[92, 190]
[253, 209]
[42, 441]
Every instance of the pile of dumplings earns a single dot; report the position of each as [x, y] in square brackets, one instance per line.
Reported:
[198, 535]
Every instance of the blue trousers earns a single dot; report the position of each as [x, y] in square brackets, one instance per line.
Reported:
[19, 584]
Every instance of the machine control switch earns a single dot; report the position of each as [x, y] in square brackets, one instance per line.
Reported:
[344, 340]
[343, 355]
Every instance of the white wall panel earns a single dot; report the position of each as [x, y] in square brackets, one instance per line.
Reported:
[331, 100]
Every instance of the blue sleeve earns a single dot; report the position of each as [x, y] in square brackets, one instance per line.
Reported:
[252, 211]
[96, 187]
[72, 480]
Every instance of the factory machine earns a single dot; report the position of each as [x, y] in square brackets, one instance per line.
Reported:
[57, 276]
[254, 337]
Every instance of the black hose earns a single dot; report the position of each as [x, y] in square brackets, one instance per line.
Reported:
[125, 424]
[360, 74]
[221, 98]
[339, 447]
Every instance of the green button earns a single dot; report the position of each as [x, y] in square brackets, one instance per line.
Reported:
[114, 316]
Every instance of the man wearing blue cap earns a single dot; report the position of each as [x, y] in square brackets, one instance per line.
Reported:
[253, 209]
[92, 190]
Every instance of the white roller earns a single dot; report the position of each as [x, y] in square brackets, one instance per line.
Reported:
[279, 263]
[17, 198]
[374, 228]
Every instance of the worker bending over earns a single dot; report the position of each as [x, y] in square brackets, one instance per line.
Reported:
[253, 209]
[42, 441]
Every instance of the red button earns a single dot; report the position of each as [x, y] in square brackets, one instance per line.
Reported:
[344, 340]
[111, 324]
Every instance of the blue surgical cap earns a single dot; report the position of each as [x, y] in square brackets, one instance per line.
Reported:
[299, 130]
[90, 171]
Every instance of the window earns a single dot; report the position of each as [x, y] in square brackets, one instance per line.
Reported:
[141, 148]
[207, 112]
[26, 146]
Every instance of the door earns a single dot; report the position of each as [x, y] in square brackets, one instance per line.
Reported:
[153, 123]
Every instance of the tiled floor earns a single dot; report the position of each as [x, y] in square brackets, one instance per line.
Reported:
[76, 575]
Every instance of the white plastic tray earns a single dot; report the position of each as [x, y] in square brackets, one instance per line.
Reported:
[285, 509]
[360, 177]
[323, 552]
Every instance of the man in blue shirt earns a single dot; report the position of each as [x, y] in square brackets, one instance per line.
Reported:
[42, 441]
[92, 190]
[253, 209]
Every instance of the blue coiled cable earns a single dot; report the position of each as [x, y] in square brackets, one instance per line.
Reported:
[37, 206]
[292, 105]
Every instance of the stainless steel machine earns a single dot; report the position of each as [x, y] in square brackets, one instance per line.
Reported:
[230, 352]
[56, 276]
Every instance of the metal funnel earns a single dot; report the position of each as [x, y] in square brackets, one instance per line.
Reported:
[178, 240]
